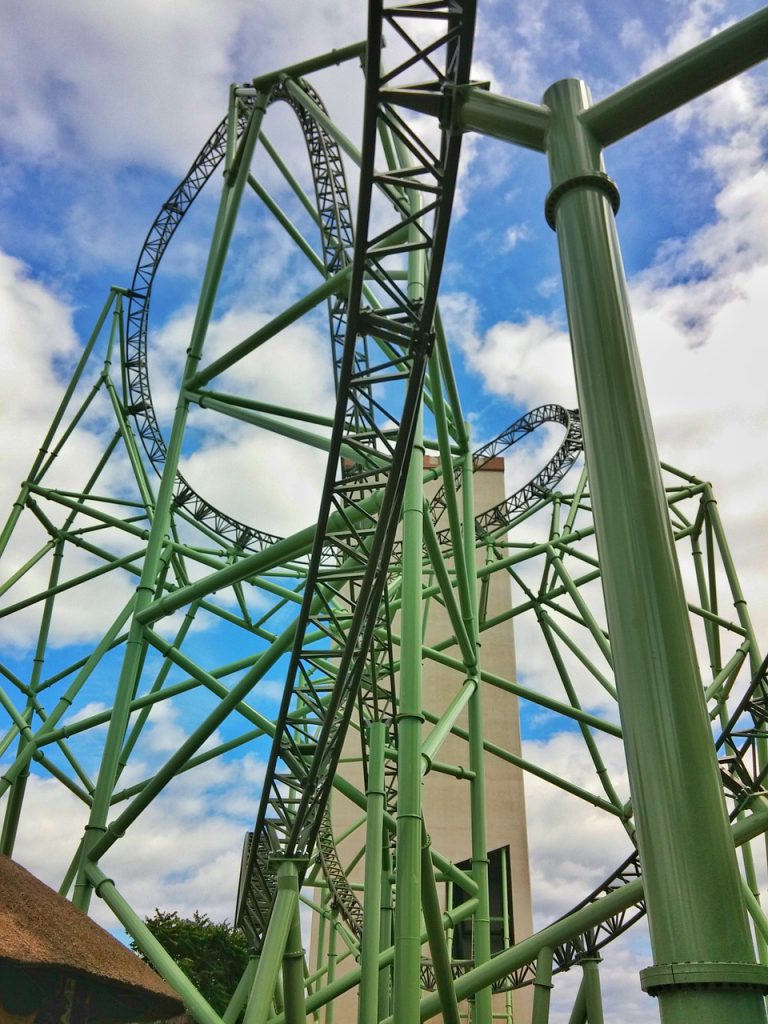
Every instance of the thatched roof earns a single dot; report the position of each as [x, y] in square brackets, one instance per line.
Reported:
[44, 939]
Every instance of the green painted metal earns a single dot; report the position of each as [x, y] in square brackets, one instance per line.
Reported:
[438, 945]
[407, 980]
[711, 63]
[272, 954]
[251, 596]
[293, 971]
[593, 998]
[659, 687]
[240, 995]
[354, 51]
[579, 1011]
[374, 838]
[542, 987]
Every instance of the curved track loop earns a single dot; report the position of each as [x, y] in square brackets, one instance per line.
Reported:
[335, 222]
[499, 517]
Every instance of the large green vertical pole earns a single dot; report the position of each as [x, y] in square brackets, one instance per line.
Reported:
[275, 940]
[374, 835]
[542, 990]
[705, 967]
[293, 970]
[16, 796]
[332, 958]
[592, 994]
[385, 935]
[481, 929]
[410, 715]
[439, 948]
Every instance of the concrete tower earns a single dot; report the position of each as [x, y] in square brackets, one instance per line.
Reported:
[447, 800]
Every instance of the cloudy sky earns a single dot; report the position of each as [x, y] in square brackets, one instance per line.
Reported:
[104, 106]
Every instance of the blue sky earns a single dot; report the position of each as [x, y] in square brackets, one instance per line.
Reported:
[104, 107]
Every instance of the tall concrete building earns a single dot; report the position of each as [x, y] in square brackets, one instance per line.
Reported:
[446, 799]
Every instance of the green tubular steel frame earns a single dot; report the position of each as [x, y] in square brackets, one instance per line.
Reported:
[351, 592]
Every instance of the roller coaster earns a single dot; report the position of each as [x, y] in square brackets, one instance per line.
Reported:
[590, 548]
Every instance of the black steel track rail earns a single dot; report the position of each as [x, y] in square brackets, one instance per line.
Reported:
[344, 602]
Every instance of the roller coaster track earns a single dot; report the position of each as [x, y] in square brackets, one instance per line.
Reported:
[348, 569]
[307, 746]
[335, 222]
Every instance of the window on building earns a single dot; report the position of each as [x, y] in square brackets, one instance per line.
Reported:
[500, 899]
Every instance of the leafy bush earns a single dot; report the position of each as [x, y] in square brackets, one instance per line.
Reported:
[212, 955]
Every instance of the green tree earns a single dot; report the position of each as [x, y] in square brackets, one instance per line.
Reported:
[212, 955]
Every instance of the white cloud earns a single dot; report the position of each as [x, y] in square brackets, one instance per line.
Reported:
[514, 235]
[104, 77]
[39, 339]
[529, 362]
[698, 312]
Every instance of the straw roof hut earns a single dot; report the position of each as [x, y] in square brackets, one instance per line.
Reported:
[55, 961]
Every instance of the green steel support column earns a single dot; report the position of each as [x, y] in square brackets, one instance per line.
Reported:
[483, 1001]
[385, 935]
[293, 970]
[568, 928]
[506, 870]
[348, 981]
[592, 994]
[332, 957]
[756, 912]
[16, 796]
[542, 989]
[374, 836]
[579, 1011]
[449, 487]
[157, 549]
[715, 528]
[410, 715]
[278, 1003]
[407, 975]
[739, 603]
[438, 947]
[239, 997]
[698, 923]
[273, 950]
